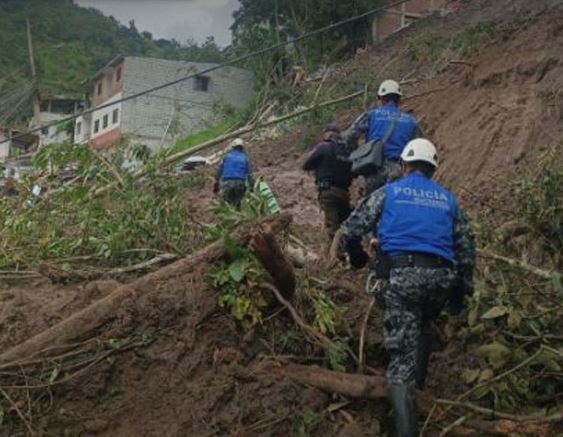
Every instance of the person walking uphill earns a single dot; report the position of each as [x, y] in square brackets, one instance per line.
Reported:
[233, 174]
[332, 177]
[426, 258]
[388, 124]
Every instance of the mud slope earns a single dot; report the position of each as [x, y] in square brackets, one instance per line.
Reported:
[489, 117]
[497, 113]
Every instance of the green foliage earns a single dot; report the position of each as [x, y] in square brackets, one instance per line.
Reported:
[256, 203]
[231, 122]
[328, 316]
[72, 43]
[428, 48]
[301, 422]
[240, 293]
[541, 199]
[239, 280]
[262, 23]
[514, 321]
[71, 222]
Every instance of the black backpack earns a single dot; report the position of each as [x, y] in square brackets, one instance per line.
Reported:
[367, 159]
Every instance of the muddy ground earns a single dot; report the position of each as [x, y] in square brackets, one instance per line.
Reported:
[491, 118]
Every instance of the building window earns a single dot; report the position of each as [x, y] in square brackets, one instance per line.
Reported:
[115, 116]
[106, 121]
[118, 74]
[79, 128]
[96, 126]
[100, 89]
[201, 83]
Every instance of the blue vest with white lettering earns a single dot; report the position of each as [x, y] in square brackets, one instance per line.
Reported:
[418, 217]
[235, 165]
[379, 120]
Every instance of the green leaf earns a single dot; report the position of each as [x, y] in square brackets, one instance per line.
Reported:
[486, 375]
[237, 269]
[495, 312]
[514, 319]
[557, 282]
[54, 374]
[496, 353]
[232, 248]
[469, 376]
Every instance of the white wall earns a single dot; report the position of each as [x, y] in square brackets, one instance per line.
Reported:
[54, 134]
[4, 146]
[85, 129]
[99, 116]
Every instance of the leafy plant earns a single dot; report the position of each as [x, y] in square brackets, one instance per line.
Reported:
[540, 197]
[239, 286]
[514, 320]
[70, 222]
[302, 421]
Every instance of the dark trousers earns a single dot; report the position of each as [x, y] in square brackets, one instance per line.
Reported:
[232, 191]
[335, 203]
[411, 299]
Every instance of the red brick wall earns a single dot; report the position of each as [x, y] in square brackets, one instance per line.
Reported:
[107, 139]
[110, 85]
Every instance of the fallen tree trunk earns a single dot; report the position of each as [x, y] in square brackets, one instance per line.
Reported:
[80, 325]
[353, 386]
[375, 387]
[272, 257]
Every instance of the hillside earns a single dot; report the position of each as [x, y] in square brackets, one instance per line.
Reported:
[72, 42]
[164, 354]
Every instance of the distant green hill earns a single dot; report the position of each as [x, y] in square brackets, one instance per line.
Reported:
[72, 43]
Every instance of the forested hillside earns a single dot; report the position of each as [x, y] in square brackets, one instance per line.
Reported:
[72, 42]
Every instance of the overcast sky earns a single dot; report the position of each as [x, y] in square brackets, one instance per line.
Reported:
[178, 19]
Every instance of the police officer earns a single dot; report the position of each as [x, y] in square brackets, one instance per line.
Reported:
[427, 245]
[375, 124]
[333, 177]
[233, 174]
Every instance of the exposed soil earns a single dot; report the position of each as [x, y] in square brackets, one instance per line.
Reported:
[490, 118]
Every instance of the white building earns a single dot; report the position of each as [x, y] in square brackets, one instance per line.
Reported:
[159, 118]
[52, 110]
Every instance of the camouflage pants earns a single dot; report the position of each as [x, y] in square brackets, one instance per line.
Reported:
[411, 299]
[232, 191]
[335, 203]
[390, 172]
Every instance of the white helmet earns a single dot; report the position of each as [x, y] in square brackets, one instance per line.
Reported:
[237, 142]
[389, 87]
[420, 149]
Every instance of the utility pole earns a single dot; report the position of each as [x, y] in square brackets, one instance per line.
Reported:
[36, 109]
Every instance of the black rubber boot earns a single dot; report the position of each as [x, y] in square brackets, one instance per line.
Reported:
[403, 400]
[422, 355]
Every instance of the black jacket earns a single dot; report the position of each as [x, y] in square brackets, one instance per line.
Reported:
[329, 162]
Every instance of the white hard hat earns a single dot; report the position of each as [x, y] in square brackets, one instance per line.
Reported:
[237, 142]
[420, 149]
[389, 87]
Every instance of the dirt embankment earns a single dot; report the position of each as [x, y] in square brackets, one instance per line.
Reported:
[490, 116]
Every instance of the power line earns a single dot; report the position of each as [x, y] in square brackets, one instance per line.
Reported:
[216, 67]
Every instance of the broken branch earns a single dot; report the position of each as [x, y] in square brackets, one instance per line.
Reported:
[84, 323]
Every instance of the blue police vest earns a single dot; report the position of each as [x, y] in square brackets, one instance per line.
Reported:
[418, 216]
[405, 129]
[235, 165]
